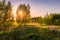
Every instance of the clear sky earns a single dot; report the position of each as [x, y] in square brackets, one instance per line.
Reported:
[39, 7]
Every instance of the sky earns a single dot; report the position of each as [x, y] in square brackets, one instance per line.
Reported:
[38, 7]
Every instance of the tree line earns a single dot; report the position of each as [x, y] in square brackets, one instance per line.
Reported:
[7, 18]
[51, 19]
[5, 12]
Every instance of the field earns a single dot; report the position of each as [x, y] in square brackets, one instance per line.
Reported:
[29, 20]
[30, 32]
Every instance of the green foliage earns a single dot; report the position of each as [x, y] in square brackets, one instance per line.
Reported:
[5, 13]
[29, 33]
[25, 9]
[52, 19]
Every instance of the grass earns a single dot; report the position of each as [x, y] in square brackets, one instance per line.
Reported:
[51, 27]
[30, 31]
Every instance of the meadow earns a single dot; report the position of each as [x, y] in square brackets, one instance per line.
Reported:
[18, 24]
[30, 32]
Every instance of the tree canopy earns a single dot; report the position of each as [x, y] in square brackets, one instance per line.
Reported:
[23, 12]
[5, 12]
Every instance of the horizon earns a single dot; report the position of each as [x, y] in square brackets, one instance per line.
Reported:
[38, 7]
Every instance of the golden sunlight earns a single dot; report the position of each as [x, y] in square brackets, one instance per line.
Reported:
[21, 14]
[15, 16]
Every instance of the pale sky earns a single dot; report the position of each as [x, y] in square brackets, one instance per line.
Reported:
[39, 7]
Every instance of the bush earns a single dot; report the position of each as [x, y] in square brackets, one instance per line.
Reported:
[29, 33]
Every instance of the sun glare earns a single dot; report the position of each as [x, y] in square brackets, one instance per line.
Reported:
[20, 12]
[15, 16]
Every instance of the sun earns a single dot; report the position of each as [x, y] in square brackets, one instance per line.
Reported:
[20, 12]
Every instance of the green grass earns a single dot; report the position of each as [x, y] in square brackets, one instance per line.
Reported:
[29, 33]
